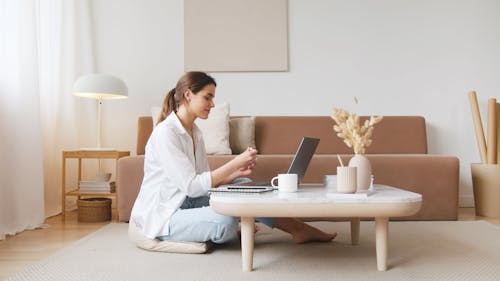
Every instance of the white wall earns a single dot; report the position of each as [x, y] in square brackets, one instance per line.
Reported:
[399, 57]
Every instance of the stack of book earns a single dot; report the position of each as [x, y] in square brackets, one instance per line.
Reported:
[97, 186]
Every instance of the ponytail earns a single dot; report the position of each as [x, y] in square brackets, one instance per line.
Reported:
[169, 105]
[194, 81]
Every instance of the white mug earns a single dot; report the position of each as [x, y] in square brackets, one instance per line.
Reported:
[346, 179]
[286, 182]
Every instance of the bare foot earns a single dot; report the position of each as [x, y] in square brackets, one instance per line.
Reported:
[255, 229]
[311, 234]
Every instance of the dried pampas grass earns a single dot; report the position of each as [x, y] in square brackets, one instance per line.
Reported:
[348, 128]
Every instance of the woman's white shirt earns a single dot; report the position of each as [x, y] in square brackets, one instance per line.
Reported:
[172, 171]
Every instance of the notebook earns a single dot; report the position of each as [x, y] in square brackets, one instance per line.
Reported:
[299, 165]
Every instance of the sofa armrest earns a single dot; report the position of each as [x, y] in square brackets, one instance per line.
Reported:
[130, 171]
[436, 177]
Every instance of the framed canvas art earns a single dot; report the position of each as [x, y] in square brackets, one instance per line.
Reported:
[236, 35]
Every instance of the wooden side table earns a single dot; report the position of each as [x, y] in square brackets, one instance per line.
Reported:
[87, 154]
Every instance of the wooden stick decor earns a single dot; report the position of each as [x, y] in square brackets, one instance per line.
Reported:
[498, 130]
[478, 125]
[491, 149]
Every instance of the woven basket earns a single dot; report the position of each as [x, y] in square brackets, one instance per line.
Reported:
[94, 209]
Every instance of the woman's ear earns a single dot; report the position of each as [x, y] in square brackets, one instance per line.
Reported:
[187, 95]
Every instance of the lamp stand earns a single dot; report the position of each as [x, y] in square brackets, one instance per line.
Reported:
[98, 148]
[99, 114]
[99, 130]
[99, 126]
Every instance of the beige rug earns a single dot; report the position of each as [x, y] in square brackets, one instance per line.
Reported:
[417, 251]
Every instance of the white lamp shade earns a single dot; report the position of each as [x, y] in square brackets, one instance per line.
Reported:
[100, 86]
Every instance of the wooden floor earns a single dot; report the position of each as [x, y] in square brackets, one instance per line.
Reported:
[27, 247]
[20, 250]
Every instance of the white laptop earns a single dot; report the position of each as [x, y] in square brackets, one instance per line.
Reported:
[298, 166]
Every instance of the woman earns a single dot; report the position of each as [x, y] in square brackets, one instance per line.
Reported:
[173, 203]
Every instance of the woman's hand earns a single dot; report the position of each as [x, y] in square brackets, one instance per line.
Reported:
[245, 162]
[243, 172]
[246, 159]
[241, 166]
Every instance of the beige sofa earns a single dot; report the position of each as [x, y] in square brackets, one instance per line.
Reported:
[398, 157]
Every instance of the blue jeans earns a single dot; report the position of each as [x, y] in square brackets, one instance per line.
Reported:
[195, 221]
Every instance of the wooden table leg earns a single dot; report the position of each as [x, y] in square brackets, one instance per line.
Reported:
[63, 189]
[381, 230]
[355, 231]
[247, 240]
[79, 176]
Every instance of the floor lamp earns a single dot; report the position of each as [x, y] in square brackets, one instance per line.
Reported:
[100, 87]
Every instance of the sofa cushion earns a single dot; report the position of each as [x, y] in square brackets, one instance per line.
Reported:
[215, 130]
[241, 134]
[394, 135]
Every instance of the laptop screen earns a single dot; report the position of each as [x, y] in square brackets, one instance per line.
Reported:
[303, 156]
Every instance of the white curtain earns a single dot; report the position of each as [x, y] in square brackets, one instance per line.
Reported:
[44, 45]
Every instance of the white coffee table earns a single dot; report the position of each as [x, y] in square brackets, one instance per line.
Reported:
[314, 201]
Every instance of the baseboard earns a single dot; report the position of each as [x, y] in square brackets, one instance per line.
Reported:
[466, 201]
